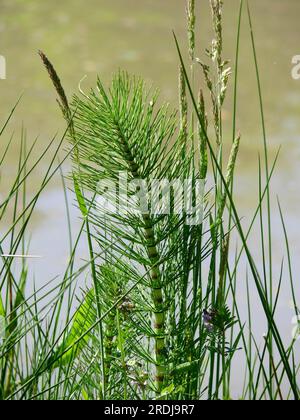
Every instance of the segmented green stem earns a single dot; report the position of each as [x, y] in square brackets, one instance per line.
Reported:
[156, 281]
[110, 334]
[158, 302]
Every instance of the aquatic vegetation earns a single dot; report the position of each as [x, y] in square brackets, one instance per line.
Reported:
[159, 317]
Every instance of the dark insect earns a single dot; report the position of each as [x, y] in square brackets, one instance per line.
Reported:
[127, 306]
[209, 319]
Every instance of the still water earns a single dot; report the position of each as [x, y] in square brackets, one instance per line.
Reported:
[99, 37]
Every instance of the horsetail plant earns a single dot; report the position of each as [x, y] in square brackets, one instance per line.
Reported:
[121, 132]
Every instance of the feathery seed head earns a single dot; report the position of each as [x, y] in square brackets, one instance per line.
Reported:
[191, 27]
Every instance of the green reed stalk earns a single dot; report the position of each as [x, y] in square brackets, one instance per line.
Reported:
[254, 271]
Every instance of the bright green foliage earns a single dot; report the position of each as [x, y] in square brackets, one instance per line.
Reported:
[125, 131]
[72, 345]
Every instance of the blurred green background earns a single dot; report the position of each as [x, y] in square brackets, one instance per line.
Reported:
[98, 36]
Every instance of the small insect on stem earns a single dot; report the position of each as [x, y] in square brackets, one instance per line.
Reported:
[127, 306]
[208, 319]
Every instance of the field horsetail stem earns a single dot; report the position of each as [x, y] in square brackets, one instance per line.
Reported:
[151, 248]
[155, 282]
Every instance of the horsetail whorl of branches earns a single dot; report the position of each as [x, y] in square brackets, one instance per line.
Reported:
[123, 130]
